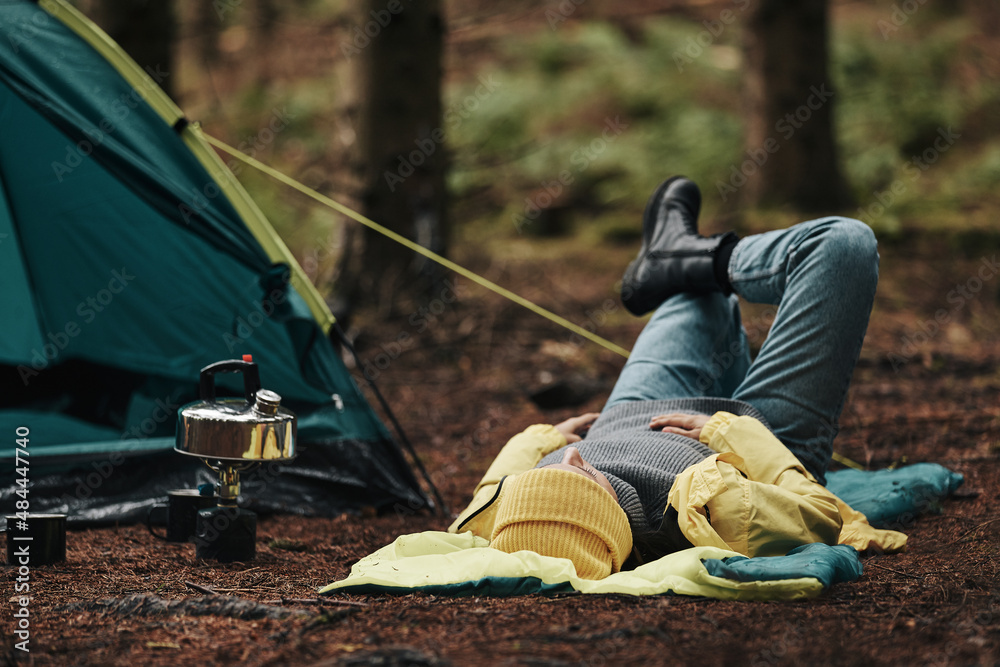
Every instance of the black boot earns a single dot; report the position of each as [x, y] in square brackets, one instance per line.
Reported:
[674, 257]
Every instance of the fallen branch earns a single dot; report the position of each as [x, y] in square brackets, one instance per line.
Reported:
[972, 530]
[889, 569]
[209, 605]
[323, 601]
[201, 589]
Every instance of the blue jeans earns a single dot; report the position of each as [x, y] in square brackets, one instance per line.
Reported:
[821, 275]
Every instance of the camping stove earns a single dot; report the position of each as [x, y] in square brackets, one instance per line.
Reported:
[231, 436]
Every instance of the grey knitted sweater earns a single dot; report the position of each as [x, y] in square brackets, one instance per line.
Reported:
[641, 463]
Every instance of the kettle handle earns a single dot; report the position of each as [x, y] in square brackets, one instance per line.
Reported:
[251, 378]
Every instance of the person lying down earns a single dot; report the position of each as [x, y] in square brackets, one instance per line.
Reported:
[698, 445]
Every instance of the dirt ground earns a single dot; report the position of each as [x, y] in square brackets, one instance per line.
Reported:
[462, 388]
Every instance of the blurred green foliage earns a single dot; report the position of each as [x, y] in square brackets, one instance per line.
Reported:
[567, 88]
[896, 94]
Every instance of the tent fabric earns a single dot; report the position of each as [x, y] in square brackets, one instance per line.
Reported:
[463, 564]
[131, 258]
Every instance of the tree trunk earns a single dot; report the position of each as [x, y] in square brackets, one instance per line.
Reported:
[146, 30]
[396, 50]
[791, 156]
[205, 25]
[262, 19]
[264, 15]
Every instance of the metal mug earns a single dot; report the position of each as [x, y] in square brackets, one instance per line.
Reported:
[181, 514]
[36, 539]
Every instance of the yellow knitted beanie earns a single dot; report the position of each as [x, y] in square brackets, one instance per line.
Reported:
[565, 515]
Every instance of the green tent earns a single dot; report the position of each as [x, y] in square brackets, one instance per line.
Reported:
[130, 258]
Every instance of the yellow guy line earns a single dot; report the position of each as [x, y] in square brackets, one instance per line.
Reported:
[844, 461]
[337, 206]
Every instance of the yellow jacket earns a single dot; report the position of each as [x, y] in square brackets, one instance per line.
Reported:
[753, 496]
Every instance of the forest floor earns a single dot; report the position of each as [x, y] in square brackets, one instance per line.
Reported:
[927, 388]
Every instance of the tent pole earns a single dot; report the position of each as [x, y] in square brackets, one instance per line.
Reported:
[441, 507]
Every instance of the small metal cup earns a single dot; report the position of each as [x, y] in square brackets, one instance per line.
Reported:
[35, 540]
[180, 513]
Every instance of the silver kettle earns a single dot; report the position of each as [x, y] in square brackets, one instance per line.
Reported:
[230, 430]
